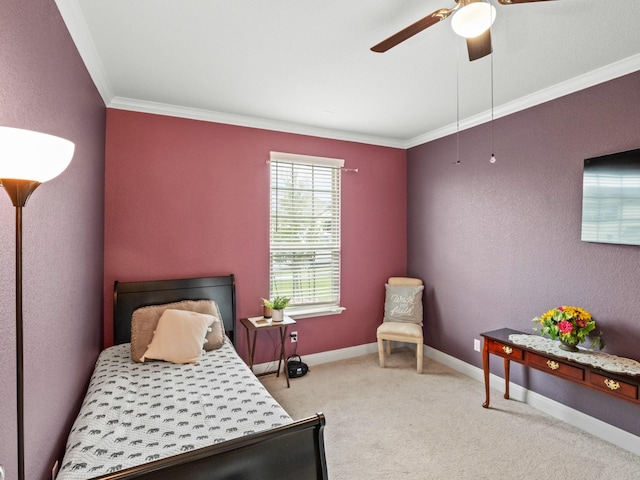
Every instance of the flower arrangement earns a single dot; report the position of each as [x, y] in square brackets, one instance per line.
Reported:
[571, 325]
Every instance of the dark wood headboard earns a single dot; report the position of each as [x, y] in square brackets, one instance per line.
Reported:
[128, 296]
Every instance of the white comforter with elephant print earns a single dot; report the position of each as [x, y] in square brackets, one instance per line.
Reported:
[135, 413]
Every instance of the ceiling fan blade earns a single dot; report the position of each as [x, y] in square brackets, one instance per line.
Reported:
[411, 30]
[479, 46]
[513, 2]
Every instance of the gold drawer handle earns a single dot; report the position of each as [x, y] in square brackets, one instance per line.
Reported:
[553, 365]
[612, 384]
[507, 350]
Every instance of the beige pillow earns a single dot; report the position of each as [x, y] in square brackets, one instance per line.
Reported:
[403, 303]
[215, 335]
[179, 336]
[145, 319]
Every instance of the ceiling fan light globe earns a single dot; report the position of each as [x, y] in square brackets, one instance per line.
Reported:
[473, 19]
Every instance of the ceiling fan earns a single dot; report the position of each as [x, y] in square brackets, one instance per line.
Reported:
[472, 19]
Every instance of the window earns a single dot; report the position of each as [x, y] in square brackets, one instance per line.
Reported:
[305, 233]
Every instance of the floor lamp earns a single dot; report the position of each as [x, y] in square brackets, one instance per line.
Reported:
[27, 159]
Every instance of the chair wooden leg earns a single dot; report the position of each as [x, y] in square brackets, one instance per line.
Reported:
[381, 352]
[388, 347]
[420, 355]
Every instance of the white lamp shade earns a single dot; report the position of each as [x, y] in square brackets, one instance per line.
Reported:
[473, 19]
[29, 155]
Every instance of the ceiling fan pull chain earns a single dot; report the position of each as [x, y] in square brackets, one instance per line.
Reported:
[493, 157]
[457, 162]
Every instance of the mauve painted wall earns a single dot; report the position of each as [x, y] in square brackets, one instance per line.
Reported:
[499, 244]
[191, 198]
[44, 86]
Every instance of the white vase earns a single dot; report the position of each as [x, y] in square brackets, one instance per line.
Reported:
[277, 315]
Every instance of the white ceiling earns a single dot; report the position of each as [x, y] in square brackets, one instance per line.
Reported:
[304, 66]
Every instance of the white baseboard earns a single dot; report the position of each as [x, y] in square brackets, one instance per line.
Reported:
[341, 354]
[326, 357]
[598, 428]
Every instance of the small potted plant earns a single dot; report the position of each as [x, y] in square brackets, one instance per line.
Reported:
[267, 308]
[274, 308]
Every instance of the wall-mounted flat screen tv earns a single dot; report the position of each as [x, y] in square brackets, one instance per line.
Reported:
[611, 198]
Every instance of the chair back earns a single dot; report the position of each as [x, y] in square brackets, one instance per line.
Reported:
[404, 281]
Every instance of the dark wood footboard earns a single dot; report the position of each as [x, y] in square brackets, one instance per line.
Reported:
[291, 452]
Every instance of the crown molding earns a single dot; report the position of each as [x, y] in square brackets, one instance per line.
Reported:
[143, 106]
[595, 77]
[77, 27]
[581, 82]
[76, 24]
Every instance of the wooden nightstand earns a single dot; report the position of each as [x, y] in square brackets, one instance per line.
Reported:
[256, 324]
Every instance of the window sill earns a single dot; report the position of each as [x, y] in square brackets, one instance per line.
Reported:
[314, 312]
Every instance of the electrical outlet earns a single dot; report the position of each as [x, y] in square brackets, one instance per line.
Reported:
[294, 337]
[476, 344]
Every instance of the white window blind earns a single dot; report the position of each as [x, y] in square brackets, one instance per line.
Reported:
[305, 231]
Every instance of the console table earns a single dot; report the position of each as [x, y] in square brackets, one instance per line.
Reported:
[497, 342]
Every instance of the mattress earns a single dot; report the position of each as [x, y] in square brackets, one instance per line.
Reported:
[135, 413]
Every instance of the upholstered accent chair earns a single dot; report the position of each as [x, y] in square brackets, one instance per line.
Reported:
[402, 317]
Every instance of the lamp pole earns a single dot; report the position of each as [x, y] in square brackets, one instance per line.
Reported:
[19, 192]
[19, 343]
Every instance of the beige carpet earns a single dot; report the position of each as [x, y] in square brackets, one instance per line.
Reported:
[393, 423]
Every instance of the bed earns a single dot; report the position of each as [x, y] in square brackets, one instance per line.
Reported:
[213, 420]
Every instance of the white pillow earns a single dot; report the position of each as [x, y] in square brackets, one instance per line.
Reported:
[179, 336]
